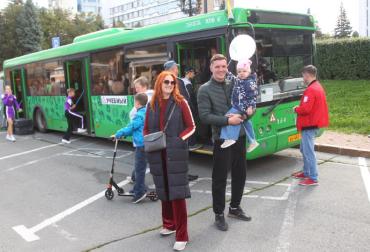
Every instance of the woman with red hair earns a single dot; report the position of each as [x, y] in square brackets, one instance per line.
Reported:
[169, 167]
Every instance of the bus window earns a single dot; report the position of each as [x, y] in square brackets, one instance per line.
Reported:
[146, 61]
[45, 79]
[109, 74]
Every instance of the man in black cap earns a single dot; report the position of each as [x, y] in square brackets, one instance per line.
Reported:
[173, 67]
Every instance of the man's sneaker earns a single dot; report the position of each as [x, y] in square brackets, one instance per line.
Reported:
[80, 130]
[138, 198]
[179, 245]
[299, 175]
[12, 138]
[227, 143]
[166, 232]
[252, 146]
[195, 147]
[239, 214]
[221, 223]
[65, 141]
[308, 182]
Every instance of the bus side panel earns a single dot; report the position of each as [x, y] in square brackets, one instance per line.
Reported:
[108, 118]
[265, 132]
[287, 134]
[53, 109]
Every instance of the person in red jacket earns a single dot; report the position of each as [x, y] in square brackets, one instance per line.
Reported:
[312, 114]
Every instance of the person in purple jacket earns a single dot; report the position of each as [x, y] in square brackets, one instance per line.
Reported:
[9, 100]
[71, 116]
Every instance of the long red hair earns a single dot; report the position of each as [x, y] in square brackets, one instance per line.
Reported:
[158, 94]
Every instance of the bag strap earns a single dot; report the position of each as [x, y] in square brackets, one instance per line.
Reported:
[169, 118]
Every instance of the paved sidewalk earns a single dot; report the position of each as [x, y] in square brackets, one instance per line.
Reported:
[344, 144]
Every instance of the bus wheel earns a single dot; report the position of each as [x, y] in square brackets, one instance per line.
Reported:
[40, 121]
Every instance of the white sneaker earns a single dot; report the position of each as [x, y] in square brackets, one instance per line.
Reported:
[252, 146]
[179, 246]
[65, 141]
[227, 143]
[166, 232]
[10, 138]
[129, 178]
[80, 130]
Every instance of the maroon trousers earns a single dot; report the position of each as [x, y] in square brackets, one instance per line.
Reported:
[174, 216]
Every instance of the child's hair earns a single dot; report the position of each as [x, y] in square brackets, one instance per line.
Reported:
[142, 81]
[70, 90]
[142, 98]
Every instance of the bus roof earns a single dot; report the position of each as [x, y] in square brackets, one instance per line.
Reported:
[119, 36]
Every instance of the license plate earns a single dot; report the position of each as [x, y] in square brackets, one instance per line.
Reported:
[294, 137]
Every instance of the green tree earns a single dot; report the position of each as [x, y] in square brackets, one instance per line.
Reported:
[343, 28]
[355, 34]
[2, 40]
[55, 23]
[10, 14]
[28, 29]
[190, 8]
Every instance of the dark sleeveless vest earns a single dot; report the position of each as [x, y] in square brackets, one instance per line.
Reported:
[176, 155]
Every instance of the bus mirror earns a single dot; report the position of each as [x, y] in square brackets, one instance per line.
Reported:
[242, 47]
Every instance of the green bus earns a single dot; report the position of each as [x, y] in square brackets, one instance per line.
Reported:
[102, 65]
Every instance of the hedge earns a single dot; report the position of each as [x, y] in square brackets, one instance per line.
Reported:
[343, 59]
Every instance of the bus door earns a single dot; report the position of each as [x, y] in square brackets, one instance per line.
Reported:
[75, 72]
[17, 84]
[197, 54]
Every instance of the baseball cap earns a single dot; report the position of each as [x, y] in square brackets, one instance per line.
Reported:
[189, 69]
[169, 64]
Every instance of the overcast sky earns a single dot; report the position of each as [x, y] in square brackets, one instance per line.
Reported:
[324, 11]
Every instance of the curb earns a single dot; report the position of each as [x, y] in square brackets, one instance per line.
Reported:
[352, 152]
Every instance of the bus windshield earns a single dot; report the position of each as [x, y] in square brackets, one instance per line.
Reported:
[279, 59]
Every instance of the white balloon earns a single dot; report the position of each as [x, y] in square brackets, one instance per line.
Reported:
[242, 47]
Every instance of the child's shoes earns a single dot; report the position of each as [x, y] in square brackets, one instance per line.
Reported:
[227, 143]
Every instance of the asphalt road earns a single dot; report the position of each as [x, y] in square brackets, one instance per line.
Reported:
[52, 199]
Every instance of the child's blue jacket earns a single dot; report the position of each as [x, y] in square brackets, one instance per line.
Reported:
[135, 128]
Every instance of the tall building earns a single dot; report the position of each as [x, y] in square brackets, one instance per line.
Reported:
[136, 13]
[364, 17]
[90, 6]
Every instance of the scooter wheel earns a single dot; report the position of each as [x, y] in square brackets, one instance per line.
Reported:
[120, 190]
[109, 194]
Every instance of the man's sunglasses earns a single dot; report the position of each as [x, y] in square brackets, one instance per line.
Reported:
[167, 82]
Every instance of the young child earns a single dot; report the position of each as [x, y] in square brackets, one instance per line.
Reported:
[70, 115]
[244, 97]
[135, 129]
[9, 100]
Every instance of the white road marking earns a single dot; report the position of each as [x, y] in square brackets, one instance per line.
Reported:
[288, 222]
[96, 153]
[29, 233]
[33, 150]
[41, 159]
[365, 175]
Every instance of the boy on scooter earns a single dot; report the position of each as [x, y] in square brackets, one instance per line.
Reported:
[135, 129]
